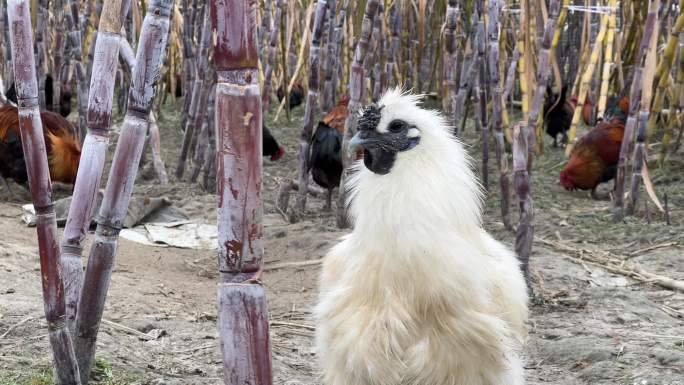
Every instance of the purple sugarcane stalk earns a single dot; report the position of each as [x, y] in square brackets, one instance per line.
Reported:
[634, 106]
[151, 51]
[309, 111]
[93, 154]
[496, 121]
[356, 91]
[242, 310]
[33, 143]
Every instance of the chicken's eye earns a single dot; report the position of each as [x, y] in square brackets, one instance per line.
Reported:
[397, 126]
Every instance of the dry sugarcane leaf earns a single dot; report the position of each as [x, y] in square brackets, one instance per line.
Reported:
[648, 184]
[300, 59]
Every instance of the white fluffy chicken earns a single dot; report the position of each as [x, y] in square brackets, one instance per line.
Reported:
[418, 293]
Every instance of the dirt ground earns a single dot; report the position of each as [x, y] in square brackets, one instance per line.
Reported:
[588, 325]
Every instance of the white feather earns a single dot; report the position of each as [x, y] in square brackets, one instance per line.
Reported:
[419, 293]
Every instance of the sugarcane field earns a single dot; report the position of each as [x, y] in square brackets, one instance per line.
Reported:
[341, 192]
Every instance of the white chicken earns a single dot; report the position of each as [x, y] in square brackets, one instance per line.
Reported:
[418, 293]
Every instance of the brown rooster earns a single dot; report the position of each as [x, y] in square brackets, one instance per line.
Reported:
[595, 156]
[62, 147]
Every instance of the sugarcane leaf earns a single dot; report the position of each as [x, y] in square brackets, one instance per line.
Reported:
[648, 184]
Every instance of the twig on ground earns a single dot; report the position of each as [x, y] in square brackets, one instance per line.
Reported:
[297, 264]
[614, 264]
[16, 325]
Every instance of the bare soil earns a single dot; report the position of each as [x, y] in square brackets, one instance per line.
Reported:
[587, 326]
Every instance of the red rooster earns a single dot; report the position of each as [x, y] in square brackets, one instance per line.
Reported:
[62, 146]
[595, 156]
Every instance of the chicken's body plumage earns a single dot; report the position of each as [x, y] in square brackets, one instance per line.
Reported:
[64, 100]
[558, 113]
[595, 157]
[296, 95]
[325, 159]
[419, 293]
[270, 145]
[62, 147]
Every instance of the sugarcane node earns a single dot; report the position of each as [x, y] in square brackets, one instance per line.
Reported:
[138, 112]
[45, 218]
[227, 277]
[27, 102]
[44, 210]
[108, 228]
[56, 324]
[72, 249]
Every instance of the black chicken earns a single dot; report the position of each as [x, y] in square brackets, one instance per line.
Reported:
[296, 96]
[558, 113]
[270, 145]
[64, 98]
[325, 159]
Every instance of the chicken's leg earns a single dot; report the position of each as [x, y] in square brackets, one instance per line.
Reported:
[594, 195]
[328, 202]
[9, 190]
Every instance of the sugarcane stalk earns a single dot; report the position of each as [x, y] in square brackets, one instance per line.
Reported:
[151, 51]
[40, 49]
[395, 42]
[493, 31]
[468, 72]
[299, 59]
[584, 85]
[378, 52]
[209, 163]
[33, 144]
[662, 74]
[356, 91]
[91, 47]
[560, 23]
[510, 73]
[155, 145]
[199, 96]
[409, 59]
[203, 136]
[8, 74]
[58, 47]
[543, 72]
[189, 61]
[607, 59]
[328, 93]
[521, 179]
[93, 153]
[310, 110]
[264, 28]
[76, 57]
[481, 95]
[634, 106]
[242, 311]
[639, 157]
[449, 85]
[678, 102]
[272, 50]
